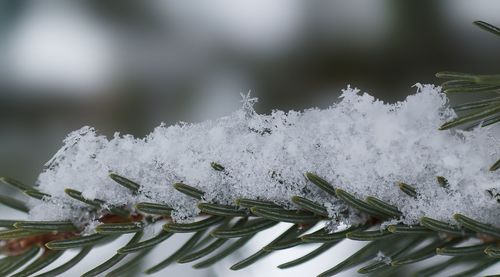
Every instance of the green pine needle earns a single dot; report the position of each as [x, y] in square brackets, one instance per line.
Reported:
[285, 215]
[43, 261]
[252, 227]
[369, 235]
[15, 184]
[129, 184]
[464, 250]
[113, 260]
[119, 228]
[477, 226]
[15, 262]
[410, 230]
[488, 27]
[309, 256]
[14, 203]
[310, 205]
[153, 208]
[321, 183]
[192, 227]
[59, 226]
[221, 210]
[407, 189]
[360, 204]
[250, 203]
[188, 245]
[189, 190]
[440, 226]
[67, 265]
[146, 244]
[76, 242]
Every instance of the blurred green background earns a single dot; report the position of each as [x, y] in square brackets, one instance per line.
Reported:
[127, 66]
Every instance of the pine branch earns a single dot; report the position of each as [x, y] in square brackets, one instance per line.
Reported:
[444, 237]
[480, 113]
[218, 223]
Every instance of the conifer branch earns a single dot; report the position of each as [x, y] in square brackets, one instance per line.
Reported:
[218, 222]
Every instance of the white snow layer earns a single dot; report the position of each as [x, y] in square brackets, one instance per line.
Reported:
[360, 144]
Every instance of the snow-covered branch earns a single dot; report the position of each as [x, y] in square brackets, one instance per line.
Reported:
[359, 144]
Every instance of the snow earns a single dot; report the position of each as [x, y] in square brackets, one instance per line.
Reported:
[360, 144]
[381, 257]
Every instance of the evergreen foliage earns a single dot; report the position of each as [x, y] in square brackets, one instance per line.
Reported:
[223, 229]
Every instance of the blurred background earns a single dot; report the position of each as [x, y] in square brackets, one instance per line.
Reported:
[127, 66]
